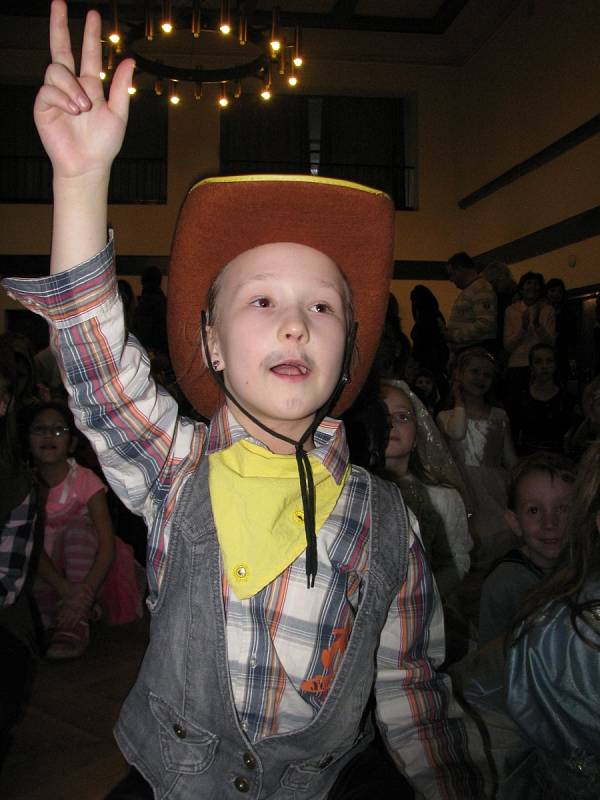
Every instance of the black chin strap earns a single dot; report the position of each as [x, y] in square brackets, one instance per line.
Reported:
[305, 473]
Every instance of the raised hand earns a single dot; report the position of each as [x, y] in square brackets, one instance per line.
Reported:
[81, 131]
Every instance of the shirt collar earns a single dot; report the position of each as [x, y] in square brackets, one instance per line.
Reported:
[331, 448]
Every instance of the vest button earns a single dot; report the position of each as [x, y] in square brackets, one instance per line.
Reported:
[242, 785]
[249, 761]
[179, 731]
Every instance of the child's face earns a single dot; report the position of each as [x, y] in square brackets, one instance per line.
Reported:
[531, 291]
[543, 365]
[424, 385]
[46, 446]
[540, 515]
[476, 377]
[279, 333]
[403, 426]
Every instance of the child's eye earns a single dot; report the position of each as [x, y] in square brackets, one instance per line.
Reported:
[563, 508]
[532, 510]
[261, 302]
[322, 308]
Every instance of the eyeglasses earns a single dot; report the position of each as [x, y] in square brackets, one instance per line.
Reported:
[50, 430]
[400, 418]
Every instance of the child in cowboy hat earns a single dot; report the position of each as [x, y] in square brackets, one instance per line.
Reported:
[252, 683]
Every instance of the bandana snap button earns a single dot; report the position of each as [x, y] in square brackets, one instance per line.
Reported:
[240, 572]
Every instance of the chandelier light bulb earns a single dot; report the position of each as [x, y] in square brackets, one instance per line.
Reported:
[167, 17]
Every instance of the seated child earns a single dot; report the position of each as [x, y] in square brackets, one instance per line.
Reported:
[478, 434]
[253, 682]
[78, 535]
[553, 663]
[539, 496]
[425, 387]
[438, 506]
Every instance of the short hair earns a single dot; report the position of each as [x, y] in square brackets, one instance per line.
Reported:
[540, 346]
[532, 276]
[462, 260]
[553, 283]
[553, 464]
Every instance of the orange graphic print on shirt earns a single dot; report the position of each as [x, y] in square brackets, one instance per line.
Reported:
[330, 659]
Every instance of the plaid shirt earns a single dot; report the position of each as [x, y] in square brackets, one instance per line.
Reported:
[280, 640]
[16, 545]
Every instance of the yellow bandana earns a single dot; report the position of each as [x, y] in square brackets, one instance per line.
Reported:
[257, 506]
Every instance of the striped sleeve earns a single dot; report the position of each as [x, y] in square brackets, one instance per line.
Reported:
[420, 721]
[16, 545]
[145, 449]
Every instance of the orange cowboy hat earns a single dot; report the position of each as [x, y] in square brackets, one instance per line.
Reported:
[223, 217]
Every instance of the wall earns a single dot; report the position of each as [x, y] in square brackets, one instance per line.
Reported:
[534, 82]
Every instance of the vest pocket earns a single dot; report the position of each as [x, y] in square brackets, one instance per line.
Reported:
[185, 747]
[300, 774]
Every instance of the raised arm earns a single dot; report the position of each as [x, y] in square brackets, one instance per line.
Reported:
[82, 133]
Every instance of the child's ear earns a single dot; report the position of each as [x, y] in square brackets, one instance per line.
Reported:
[214, 350]
[513, 522]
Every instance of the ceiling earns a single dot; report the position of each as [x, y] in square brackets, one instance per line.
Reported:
[439, 32]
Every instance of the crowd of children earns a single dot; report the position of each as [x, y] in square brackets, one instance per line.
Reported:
[298, 600]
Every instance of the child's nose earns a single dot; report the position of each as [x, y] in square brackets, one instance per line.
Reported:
[293, 326]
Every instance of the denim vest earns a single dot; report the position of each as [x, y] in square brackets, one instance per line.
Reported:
[179, 725]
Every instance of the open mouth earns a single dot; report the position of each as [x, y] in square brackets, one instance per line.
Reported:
[291, 369]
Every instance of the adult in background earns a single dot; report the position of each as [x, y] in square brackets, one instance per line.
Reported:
[529, 321]
[150, 315]
[499, 275]
[566, 327]
[473, 318]
[429, 345]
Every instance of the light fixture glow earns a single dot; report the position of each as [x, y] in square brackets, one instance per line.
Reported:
[149, 22]
[174, 98]
[131, 89]
[167, 17]
[196, 24]
[115, 34]
[266, 93]
[102, 75]
[223, 99]
[298, 60]
[243, 30]
[158, 87]
[275, 32]
[225, 18]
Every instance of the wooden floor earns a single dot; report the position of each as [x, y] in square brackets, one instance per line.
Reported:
[63, 747]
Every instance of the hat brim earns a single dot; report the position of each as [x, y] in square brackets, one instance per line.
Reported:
[223, 217]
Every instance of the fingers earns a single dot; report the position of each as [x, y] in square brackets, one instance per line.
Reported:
[91, 50]
[61, 90]
[118, 98]
[60, 39]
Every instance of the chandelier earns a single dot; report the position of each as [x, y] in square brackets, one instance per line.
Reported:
[191, 23]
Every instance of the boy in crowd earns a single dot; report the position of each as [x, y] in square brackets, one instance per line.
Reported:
[252, 682]
[538, 499]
